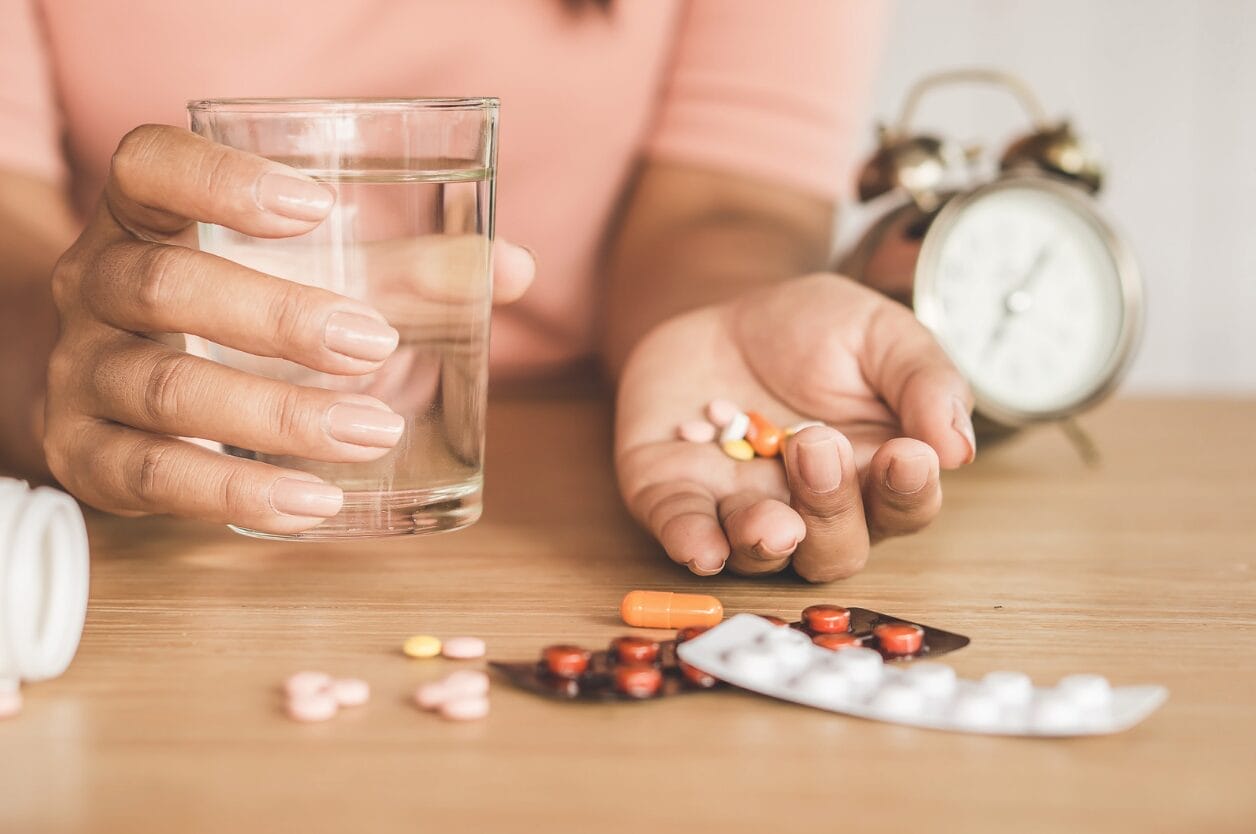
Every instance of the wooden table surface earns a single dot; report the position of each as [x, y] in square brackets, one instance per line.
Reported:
[169, 719]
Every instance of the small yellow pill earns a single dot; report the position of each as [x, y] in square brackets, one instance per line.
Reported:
[421, 645]
[738, 449]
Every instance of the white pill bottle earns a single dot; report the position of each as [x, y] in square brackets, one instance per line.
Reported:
[43, 581]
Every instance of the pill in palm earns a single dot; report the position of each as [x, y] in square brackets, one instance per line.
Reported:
[720, 412]
[738, 449]
[306, 683]
[463, 648]
[696, 431]
[763, 435]
[313, 707]
[736, 428]
[350, 692]
[421, 645]
[465, 709]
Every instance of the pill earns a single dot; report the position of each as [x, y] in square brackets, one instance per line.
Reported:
[834, 642]
[697, 677]
[1086, 691]
[696, 431]
[862, 664]
[430, 695]
[738, 449]
[306, 683]
[736, 428]
[421, 645]
[465, 709]
[934, 680]
[465, 683]
[823, 682]
[753, 663]
[10, 703]
[8, 685]
[689, 632]
[976, 710]
[1009, 687]
[899, 638]
[635, 649]
[764, 435]
[898, 701]
[665, 609]
[350, 692]
[720, 412]
[826, 619]
[797, 427]
[1054, 713]
[311, 707]
[638, 680]
[566, 661]
[463, 648]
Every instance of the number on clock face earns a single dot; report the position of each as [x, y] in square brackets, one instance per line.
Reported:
[1027, 299]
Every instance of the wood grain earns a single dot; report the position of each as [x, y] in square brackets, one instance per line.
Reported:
[1144, 570]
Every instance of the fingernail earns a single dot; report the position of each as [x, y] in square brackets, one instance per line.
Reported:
[364, 425]
[290, 496]
[360, 337]
[819, 464]
[907, 476]
[963, 424]
[697, 570]
[770, 554]
[292, 197]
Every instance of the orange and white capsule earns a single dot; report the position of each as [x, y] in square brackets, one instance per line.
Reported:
[764, 436]
[664, 609]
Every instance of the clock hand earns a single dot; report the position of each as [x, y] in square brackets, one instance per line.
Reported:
[1018, 299]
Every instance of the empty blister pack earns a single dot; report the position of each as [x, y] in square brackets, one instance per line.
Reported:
[752, 653]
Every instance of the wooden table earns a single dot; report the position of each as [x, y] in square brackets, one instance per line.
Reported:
[170, 721]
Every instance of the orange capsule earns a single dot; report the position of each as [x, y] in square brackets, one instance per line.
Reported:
[826, 619]
[765, 436]
[566, 661]
[634, 649]
[689, 632]
[834, 642]
[696, 676]
[638, 680]
[899, 638]
[664, 609]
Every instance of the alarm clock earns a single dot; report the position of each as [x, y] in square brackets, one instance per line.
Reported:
[1020, 278]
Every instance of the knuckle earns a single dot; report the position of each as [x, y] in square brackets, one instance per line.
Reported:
[163, 391]
[820, 574]
[65, 280]
[290, 314]
[293, 414]
[237, 495]
[157, 269]
[152, 474]
[134, 151]
[216, 170]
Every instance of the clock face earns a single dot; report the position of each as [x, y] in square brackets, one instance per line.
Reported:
[1022, 286]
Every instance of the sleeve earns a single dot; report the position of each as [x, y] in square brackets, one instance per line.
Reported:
[30, 129]
[773, 91]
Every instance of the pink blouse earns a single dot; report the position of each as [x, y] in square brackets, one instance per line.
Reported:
[774, 91]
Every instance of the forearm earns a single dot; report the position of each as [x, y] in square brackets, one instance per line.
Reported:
[36, 226]
[689, 238]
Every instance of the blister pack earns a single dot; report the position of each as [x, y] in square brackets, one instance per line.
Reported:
[753, 653]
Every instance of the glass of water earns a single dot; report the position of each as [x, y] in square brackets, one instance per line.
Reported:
[411, 234]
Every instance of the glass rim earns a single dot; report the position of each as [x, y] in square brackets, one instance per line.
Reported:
[366, 104]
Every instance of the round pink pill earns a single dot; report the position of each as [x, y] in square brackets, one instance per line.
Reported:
[318, 706]
[720, 412]
[466, 683]
[350, 692]
[465, 709]
[306, 683]
[463, 648]
[10, 703]
[430, 695]
[696, 431]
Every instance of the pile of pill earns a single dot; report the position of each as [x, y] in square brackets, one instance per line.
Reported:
[459, 696]
[455, 648]
[10, 698]
[755, 654]
[742, 435]
[317, 696]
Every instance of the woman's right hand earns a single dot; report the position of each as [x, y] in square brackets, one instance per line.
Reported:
[119, 400]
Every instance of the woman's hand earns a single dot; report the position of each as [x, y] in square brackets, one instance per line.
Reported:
[814, 348]
[118, 399]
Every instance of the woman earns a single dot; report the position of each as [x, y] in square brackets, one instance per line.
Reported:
[674, 165]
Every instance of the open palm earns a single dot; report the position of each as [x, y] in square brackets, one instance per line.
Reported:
[819, 347]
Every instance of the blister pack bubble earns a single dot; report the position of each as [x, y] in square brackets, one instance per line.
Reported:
[752, 653]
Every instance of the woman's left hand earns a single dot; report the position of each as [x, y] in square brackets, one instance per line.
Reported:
[821, 348]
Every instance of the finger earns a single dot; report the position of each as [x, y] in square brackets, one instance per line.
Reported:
[824, 489]
[907, 367]
[123, 470]
[514, 269]
[158, 389]
[161, 178]
[902, 488]
[682, 516]
[762, 531]
[172, 289]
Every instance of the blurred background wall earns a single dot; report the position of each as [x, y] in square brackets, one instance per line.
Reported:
[1167, 89]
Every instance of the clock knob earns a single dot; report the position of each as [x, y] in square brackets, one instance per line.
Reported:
[1056, 150]
[916, 164]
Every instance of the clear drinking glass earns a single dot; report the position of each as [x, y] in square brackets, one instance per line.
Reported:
[411, 234]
